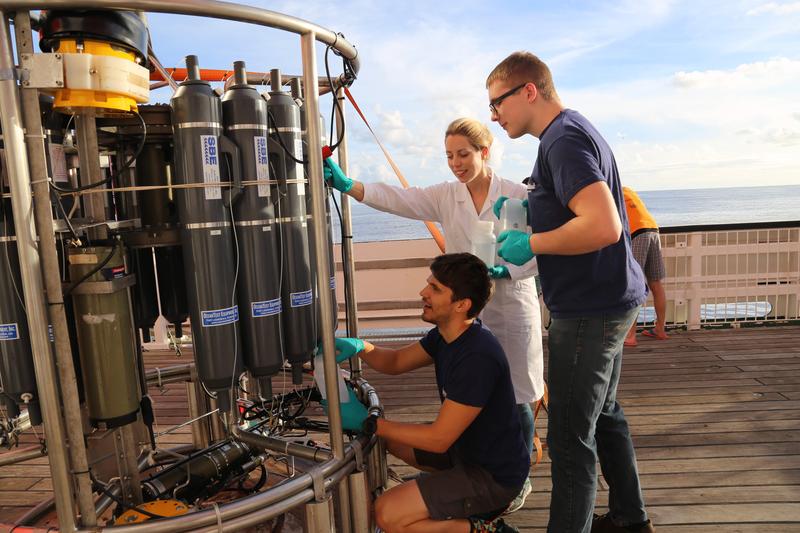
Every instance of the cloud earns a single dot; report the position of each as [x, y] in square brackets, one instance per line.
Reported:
[764, 73]
[774, 8]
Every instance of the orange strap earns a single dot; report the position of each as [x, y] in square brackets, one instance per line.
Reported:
[435, 233]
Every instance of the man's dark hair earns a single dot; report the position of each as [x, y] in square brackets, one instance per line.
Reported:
[465, 275]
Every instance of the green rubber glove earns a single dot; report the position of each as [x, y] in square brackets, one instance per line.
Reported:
[499, 272]
[347, 347]
[515, 247]
[498, 205]
[335, 177]
[353, 411]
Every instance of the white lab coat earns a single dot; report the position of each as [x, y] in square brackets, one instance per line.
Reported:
[513, 313]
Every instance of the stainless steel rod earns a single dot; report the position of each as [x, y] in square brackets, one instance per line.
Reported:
[20, 456]
[52, 282]
[21, 200]
[316, 186]
[348, 261]
[204, 8]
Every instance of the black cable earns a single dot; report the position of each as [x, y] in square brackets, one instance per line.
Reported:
[113, 176]
[336, 108]
[273, 124]
[55, 198]
[93, 271]
[345, 272]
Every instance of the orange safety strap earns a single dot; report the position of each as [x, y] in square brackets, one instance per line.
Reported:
[435, 233]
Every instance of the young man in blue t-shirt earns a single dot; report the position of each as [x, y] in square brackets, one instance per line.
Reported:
[592, 286]
[474, 452]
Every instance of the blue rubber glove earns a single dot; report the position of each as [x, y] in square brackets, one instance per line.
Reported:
[499, 272]
[498, 205]
[335, 177]
[515, 247]
[353, 411]
[347, 347]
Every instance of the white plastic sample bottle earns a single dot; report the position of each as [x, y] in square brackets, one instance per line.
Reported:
[484, 243]
[319, 377]
[514, 216]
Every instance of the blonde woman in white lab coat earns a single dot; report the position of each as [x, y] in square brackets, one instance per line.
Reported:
[513, 313]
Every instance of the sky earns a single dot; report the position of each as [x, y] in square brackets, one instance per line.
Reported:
[689, 94]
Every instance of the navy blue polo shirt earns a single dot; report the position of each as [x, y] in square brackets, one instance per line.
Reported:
[473, 370]
[573, 154]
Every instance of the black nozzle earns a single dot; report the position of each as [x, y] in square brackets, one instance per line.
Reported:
[192, 68]
[275, 79]
[239, 73]
[297, 373]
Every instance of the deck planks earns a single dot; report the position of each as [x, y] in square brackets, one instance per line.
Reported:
[714, 414]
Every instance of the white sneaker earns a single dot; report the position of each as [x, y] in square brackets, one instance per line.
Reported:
[517, 503]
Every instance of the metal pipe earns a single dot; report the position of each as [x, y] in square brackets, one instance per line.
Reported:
[277, 445]
[360, 502]
[200, 429]
[20, 456]
[52, 282]
[348, 261]
[253, 506]
[317, 189]
[170, 374]
[205, 8]
[21, 200]
[316, 186]
[319, 518]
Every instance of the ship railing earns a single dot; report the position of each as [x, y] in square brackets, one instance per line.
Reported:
[717, 276]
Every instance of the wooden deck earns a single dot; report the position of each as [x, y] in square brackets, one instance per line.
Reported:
[715, 417]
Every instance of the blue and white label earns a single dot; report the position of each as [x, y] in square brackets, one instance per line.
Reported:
[301, 174]
[301, 299]
[262, 164]
[332, 282]
[210, 150]
[9, 332]
[266, 308]
[220, 317]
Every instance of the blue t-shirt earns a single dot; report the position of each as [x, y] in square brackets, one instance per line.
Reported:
[573, 154]
[473, 370]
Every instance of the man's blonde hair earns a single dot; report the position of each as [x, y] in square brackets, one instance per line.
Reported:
[475, 131]
[521, 67]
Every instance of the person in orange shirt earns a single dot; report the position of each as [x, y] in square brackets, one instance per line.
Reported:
[646, 248]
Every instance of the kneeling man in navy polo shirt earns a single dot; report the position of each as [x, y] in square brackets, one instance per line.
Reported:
[473, 454]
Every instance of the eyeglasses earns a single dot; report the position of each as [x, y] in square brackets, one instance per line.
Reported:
[499, 100]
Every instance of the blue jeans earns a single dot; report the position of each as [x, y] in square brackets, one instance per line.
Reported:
[528, 425]
[585, 423]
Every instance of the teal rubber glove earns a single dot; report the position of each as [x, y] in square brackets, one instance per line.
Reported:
[499, 272]
[353, 411]
[498, 205]
[515, 247]
[347, 347]
[335, 176]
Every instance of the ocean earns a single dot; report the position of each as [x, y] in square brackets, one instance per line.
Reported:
[670, 208]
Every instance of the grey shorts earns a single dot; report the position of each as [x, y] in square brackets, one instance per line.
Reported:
[459, 490]
[646, 248]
